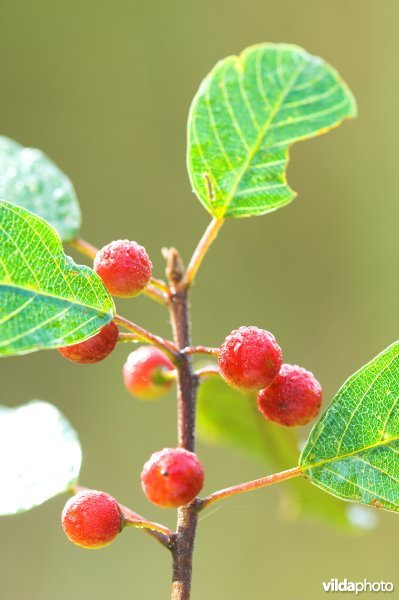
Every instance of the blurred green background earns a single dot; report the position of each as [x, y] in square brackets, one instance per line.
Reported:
[104, 88]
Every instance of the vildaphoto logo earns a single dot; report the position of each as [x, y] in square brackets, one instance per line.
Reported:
[357, 587]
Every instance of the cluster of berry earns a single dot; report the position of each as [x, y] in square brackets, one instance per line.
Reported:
[249, 359]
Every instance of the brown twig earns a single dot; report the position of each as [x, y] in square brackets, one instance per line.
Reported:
[187, 382]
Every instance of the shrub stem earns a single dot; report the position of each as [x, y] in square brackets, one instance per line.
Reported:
[187, 383]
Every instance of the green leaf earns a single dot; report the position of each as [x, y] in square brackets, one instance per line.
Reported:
[46, 300]
[40, 456]
[30, 179]
[353, 451]
[246, 114]
[228, 417]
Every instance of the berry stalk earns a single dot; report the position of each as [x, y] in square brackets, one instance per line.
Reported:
[149, 338]
[207, 372]
[134, 520]
[163, 534]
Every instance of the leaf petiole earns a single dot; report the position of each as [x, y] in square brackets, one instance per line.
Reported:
[204, 244]
[241, 488]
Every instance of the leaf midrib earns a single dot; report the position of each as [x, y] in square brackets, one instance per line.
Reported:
[59, 298]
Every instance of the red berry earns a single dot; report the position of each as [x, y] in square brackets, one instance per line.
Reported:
[144, 373]
[92, 519]
[124, 267]
[95, 348]
[172, 477]
[250, 358]
[294, 397]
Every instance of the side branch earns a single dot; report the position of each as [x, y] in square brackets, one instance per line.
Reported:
[256, 484]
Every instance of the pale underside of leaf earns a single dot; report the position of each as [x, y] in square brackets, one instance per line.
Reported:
[46, 300]
[40, 456]
[353, 452]
[30, 179]
[246, 114]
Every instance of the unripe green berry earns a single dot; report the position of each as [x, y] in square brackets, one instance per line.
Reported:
[124, 267]
[92, 519]
[95, 348]
[145, 373]
[250, 358]
[293, 399]
[172, 477]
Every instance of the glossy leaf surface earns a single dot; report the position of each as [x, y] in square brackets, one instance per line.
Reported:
[46, 300]
[244, 117]
[353, 451]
